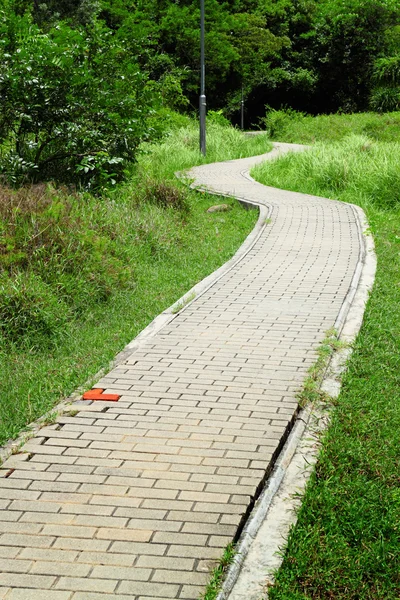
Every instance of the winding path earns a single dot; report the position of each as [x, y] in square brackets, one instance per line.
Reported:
[137, 499]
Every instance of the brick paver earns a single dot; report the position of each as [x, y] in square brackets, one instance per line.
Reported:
[137, 498]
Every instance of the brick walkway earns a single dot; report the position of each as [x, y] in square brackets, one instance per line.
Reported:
[136, 499]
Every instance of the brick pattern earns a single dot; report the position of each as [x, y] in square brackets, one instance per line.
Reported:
[137, 499]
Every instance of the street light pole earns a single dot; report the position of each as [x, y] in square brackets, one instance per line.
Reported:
[202, 103]
[242, 111]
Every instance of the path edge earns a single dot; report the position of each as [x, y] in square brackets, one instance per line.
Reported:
[312, 420]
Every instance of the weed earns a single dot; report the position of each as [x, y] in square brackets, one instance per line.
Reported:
[30, 312]
[72, 413]
[218, 574]
[16, 448]
[165, 195]
[311, 392]
[50, 418]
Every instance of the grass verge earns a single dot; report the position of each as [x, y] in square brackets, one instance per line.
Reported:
[80, 276]
[346, 543]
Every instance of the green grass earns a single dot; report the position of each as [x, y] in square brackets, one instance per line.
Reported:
[291, 126]
[81, 276]
[180, 150]
[311, 393]
[218, 574]
[346, 543]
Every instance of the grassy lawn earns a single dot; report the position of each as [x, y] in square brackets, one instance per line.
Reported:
[80, 276]
[346, 543]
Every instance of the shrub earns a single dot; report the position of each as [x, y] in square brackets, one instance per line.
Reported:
[277, 122]
[217, 116]
[30, 313]
[165, 195]
[74, 105]
[385, 98]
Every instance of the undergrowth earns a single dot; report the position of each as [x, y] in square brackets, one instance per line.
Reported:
[81, 275]
[346, 543]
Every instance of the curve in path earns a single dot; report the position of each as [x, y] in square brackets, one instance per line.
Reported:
[137, 499]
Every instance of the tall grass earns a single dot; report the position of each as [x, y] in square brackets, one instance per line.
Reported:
[346, 543]
[291, 126]
[180, 149]
[81, 275]
[356, 169]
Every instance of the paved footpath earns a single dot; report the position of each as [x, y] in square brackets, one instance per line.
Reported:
[136, 499]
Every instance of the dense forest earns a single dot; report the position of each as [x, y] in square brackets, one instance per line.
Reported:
[82, 81]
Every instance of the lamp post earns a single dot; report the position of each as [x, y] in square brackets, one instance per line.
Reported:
[202, 102]
[242, 111]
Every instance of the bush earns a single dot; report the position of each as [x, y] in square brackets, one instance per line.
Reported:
[217, 116]
[277, 122]
[165, 121]
[74, 105]
[165, 195]
[30, 313]
[385, 98]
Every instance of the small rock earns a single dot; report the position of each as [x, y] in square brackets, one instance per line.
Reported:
[219, 208]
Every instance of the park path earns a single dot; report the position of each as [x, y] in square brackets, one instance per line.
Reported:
[137, 499]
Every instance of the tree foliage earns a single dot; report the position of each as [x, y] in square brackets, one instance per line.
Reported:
[79, 78]
[313, 55]
[74, 105]
[386, 93]
[347, 38]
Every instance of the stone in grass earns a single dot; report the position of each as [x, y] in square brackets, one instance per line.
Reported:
[219, 208]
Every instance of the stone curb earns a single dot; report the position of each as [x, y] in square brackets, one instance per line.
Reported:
[348, 324]
[262, 505]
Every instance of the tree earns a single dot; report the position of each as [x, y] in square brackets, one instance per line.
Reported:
[349, 35]
[75, 106]
[76, 12]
